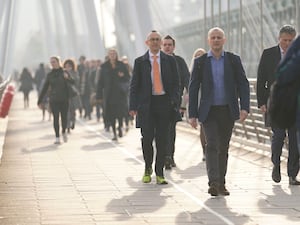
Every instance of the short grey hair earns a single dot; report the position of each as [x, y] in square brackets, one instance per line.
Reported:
[151, 32]
[287, 29]
[215, 29]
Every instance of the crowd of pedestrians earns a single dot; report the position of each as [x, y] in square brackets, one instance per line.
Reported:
[157, 92]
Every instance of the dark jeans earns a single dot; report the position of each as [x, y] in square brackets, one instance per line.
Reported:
[158, 129]
[113, 113]
[86, 106]
[98, 111]
[59, 109]
[71, 114]
[26, 98]
[218, 129]
[293, 153]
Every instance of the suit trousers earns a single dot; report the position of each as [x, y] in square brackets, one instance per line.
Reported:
[171, 140]
[218, 130]
[158, 129]
[293, 153]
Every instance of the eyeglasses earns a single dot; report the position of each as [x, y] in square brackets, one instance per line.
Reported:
[154, 39]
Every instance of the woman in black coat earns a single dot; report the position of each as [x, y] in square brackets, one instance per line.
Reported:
[57, 83]
[26, 85]
[112, 88]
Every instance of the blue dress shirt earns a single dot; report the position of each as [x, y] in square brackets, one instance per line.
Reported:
[217, 68]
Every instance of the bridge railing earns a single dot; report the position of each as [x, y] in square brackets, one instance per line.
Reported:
[253, 127]
[3, 121]
[3, 85]
[252, 132]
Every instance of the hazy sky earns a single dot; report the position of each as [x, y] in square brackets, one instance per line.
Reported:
[28, 20]
[28, 33]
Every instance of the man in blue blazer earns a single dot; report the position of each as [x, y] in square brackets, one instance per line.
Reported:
[222, 82]
[154, 107]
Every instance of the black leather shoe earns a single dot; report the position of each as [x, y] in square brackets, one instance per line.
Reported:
[120, 132]
[213, 190]
[173, 164]
[223, 190]
[168, 165]
[293, 181]
[276, 176]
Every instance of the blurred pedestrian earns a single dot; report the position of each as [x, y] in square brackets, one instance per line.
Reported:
[74, 102]
[265, 77]
[168, 47]
[57, 80]
[197, 53]
[111, 89]
[39, 77]
[26, 85]
[86, 88]
[288, 71]
[127, 117]
[96, 78]
[81, 68]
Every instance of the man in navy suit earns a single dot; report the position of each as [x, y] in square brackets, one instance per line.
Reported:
[265, 77]
[222, 82]
[154, 107]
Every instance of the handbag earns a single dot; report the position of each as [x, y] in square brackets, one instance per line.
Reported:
[72, 90]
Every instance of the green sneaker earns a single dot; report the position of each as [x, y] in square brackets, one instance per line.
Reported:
[161, 180]
[147, 175]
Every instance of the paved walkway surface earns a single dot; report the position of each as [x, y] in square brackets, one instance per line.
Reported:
[91, 180]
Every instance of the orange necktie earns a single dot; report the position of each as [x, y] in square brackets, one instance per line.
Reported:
[157, 85]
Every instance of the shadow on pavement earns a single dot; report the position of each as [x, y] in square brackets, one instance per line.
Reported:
[146, 199]
[217, 212]
[46, 148]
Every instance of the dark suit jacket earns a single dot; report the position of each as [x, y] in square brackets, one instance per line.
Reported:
[184, 73]
[141, 85]
[266, 73]
[236, 87]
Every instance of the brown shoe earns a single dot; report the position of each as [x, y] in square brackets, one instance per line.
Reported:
[223, 190]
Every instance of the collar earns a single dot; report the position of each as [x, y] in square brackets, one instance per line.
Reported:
[281, 50]
[151, 54]
[209, 54]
